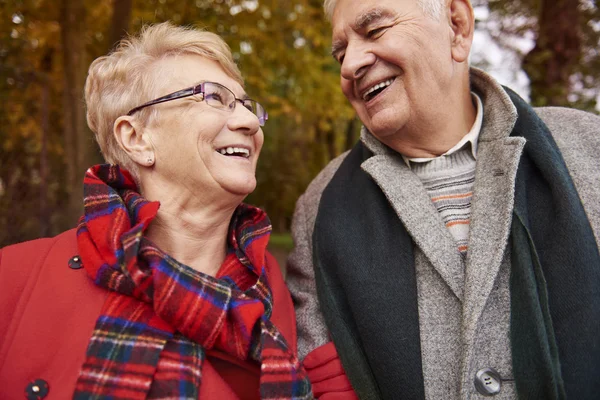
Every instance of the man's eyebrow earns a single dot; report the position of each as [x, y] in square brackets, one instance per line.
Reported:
[363, 20]
[336, 47]
[370, 16]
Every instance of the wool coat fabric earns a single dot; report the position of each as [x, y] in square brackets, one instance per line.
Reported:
[48, 311]
[463, 305]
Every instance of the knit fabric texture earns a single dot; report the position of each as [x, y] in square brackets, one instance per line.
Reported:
[449, 182]
[161, 316]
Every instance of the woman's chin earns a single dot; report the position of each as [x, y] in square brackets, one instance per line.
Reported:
[240, 187]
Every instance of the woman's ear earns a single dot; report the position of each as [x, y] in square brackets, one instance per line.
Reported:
[134, 141]
[462, 23]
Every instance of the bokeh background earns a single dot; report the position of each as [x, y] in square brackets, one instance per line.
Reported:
[548, 50]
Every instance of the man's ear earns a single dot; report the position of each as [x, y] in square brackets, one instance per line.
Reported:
[134, 141]
[462, 23]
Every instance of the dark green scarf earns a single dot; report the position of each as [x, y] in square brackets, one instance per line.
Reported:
[364, 268]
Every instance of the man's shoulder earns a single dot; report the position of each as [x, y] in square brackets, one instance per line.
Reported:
[576, 132]
[571, 123]
[316, 187]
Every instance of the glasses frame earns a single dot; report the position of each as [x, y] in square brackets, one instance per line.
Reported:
[199, 89]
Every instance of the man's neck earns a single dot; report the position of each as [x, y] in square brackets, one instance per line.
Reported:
[437, 133]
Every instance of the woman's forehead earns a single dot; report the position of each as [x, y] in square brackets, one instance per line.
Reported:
[182, 71]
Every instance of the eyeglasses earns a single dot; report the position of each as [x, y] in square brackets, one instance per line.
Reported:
[215, 95]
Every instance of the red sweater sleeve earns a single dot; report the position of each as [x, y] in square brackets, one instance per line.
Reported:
[326, 374]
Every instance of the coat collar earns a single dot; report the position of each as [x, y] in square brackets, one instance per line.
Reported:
[492, 205]
[493, 196]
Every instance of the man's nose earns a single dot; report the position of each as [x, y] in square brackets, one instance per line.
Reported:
[357, 60]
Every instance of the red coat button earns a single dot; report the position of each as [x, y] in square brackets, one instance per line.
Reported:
[37, 390]
[75, 262]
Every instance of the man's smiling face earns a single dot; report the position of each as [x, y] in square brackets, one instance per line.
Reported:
[396, 62]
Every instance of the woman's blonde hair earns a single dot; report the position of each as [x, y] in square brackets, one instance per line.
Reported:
[120, 81]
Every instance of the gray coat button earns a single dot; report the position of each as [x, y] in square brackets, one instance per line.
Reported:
[488, 381]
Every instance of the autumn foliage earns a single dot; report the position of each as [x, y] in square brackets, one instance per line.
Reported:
[282, 47]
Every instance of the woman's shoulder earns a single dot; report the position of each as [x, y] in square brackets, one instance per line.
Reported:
[41, 271]
[22, 263]
[48, 306]
[37, 250]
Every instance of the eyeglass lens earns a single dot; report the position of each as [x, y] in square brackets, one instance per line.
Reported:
[219, 96]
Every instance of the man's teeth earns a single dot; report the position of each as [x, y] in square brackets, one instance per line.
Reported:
[235, 150]
[378, 86]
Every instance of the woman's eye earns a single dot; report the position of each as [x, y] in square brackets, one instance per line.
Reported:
[249, 106]
[214, 97]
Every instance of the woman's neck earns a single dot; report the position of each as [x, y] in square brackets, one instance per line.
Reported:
[196, 238]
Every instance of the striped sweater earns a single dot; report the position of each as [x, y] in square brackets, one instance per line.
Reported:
[449, 181]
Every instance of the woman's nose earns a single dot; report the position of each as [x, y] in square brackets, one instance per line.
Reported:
[242, 119]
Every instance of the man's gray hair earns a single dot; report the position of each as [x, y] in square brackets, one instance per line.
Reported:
[431, 8]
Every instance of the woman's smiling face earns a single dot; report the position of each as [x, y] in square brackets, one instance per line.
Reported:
[189, 136]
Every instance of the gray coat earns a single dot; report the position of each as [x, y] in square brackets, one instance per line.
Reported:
[464, 306]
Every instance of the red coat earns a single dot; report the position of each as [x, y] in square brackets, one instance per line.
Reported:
[48, 312]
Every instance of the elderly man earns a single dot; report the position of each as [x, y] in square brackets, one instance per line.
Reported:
[453, 252]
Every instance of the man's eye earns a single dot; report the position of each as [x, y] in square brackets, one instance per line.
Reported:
[376, 31]
[341, 58]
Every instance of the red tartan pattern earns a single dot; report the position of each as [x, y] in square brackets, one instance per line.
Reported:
[150, 339]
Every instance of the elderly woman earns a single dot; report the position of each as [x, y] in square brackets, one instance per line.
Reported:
[165, 289]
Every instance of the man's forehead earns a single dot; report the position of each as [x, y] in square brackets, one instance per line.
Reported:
[370, 15]
[357, 14]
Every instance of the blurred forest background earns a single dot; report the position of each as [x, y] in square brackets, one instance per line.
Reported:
[548, 49]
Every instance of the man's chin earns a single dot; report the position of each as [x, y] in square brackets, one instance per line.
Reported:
[381, 131]
[384, 120]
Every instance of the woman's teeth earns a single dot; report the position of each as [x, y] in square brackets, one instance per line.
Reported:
[238, 151]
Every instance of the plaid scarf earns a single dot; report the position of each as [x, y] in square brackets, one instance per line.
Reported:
[161, 316]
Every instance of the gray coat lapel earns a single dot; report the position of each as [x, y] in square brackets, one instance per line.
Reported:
[412, 204]
[491, 218]
[498, 158]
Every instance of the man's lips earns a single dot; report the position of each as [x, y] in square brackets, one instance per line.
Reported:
[372, 89]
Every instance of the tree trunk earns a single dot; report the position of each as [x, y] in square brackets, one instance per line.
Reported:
[557, 50]
[76, 142]
[350, 139]
[331, 147]
[121, 19]
[46, 68]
